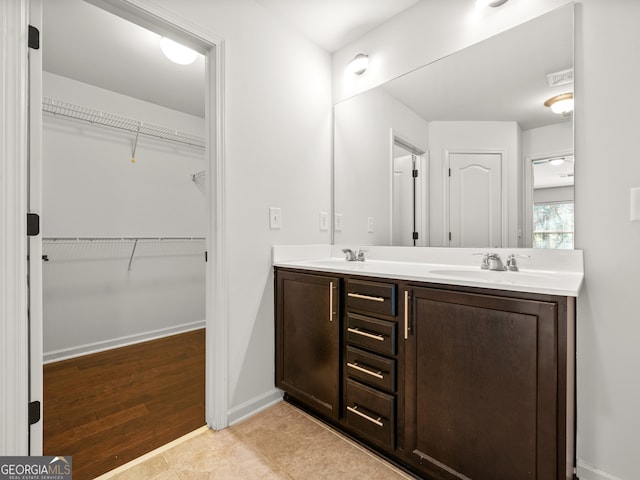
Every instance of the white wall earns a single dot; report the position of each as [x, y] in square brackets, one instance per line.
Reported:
[363, 149]
[607, 42]
[452, 136]
[607, 166]
[91, 300]
[278, 154]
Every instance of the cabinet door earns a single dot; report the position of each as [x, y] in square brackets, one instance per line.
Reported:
[308, 339]
[481, 386]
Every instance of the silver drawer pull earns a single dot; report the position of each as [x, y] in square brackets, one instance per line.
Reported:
[365, 334]
[364, 370]
[365, 416]
[365, 297]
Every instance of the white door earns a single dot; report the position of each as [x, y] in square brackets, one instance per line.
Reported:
[35, 242]
[475, 200]
[403, 214]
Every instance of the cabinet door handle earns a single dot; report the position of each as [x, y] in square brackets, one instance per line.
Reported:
[365, 416]
[406, 314]
[365, 297]
[365, 370]
[365, 334]
[331, 301]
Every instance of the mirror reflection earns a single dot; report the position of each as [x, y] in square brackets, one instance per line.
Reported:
[463, 152]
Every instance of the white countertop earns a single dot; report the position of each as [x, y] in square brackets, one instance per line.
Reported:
[555, 272]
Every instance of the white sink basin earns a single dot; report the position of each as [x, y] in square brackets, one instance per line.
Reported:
[491, 276]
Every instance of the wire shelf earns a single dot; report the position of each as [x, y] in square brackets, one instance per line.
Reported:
[112, 120]
[112, 248]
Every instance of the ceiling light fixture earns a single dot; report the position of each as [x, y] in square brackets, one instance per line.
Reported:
[556, 161]
[490, 3]
[358, 64]
[177, 53]
[560, 104]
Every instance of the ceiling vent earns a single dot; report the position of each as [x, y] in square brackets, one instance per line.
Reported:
[560, 78]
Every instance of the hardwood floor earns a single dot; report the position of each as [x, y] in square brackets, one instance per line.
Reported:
[108, 408]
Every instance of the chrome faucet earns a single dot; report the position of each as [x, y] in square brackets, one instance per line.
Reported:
[353, 256]
[511, 262]
[492, 261]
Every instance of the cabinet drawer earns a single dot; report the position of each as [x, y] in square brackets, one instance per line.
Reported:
[371, 333]
[371, 412]
[373, 297]
[374, 370]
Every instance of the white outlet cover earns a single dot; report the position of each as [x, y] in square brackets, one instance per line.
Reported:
[370, 224]
[275, 218]
[338, 222]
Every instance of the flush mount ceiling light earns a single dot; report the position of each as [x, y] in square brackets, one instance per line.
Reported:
[556, 161]
[490, 3]
[560, 104]
[177, 53]
[358, 64]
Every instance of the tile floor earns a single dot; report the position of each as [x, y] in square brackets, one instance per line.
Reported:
[280, 442]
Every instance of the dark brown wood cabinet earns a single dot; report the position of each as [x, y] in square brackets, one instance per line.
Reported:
[449, 382]
[308, 340]
[482, 386]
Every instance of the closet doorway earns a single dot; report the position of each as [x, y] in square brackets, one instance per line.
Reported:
[126, 210]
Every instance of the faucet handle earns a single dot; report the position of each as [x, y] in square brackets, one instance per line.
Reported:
[361, 255]
[349, 254]
[485, 260]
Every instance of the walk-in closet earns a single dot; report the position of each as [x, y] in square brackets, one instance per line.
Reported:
[123, 248]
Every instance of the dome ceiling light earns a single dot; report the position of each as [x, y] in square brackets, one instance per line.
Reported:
[358, 64]
[561, 104]
[176, 52]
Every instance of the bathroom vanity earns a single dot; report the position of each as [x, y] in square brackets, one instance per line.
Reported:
[447, 370]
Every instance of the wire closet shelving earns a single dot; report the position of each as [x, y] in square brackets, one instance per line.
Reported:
[113, 248]
[112, 120]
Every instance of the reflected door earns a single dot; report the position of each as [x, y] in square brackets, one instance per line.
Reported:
[403, 223]
[475, 200]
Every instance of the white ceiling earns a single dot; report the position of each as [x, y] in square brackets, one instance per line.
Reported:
[333, 24]
[83, 42]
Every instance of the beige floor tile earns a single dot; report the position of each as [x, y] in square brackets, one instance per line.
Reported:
[280, 443]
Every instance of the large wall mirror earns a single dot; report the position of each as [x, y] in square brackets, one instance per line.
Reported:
[463, 152]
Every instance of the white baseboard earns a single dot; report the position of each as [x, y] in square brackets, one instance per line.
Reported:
[80, 350]
[589, 472]
[253, 406]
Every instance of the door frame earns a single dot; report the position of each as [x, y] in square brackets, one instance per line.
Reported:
[14, 339]
[504, 190]
[422, 219]
[14, 131]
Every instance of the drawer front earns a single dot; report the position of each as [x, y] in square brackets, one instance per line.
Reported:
[371, 333]
[371, 369]
[371, 412]
[373, 297]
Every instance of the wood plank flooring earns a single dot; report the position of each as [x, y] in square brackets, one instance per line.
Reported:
[109, 408]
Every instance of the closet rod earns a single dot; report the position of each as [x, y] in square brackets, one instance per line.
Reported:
[97, 117]
[114, 239]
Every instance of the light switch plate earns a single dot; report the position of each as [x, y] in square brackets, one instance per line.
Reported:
[275, 218]
[635, 204]
[324, 221]
[370, 224]
[338, 222]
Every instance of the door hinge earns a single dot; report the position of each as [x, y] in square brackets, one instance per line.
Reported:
[206, 256]
[449, 172]
[34, 412]
[34, 38]
[415, 173]
[415, 235]
[33, 224]
[449, 236]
